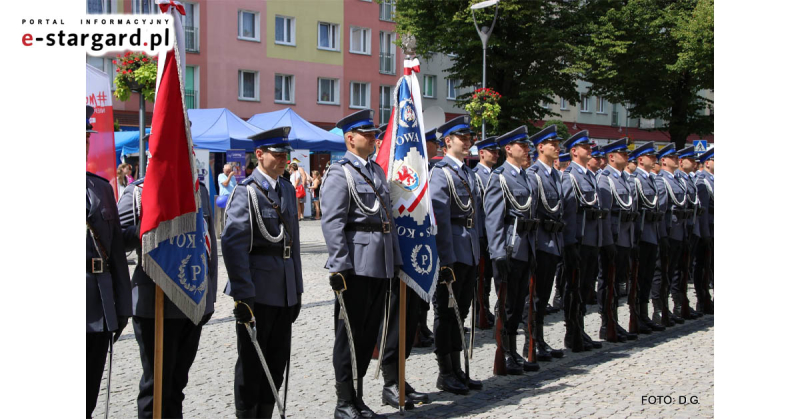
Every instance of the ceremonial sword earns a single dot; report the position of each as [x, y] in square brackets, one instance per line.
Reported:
[108, 379]
[387, 304]
[460, 326]
[343, 316]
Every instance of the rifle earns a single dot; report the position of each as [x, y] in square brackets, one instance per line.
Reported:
[531, 319]
[685, 312]
[633, 295]
[501, 334]
[611, 325]
[574, 310]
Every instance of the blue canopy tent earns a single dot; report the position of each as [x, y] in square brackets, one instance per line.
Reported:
[219, 130]
[127, 143]
[337, 131]
[304, 135]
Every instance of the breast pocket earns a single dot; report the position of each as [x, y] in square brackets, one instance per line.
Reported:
[522, 195]
[366, 194]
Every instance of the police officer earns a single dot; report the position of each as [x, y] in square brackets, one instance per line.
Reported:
[363, 254]
[510, 201]
[563, 161]
[457, 203]
[582, 233]
[647, 232]
[686, 163]
[181, 336]
[108, 283]
[261, 248]
[673, 227]
[616, 200]
[595, 163]
[549, 240]
[488, 151]
[704, 262]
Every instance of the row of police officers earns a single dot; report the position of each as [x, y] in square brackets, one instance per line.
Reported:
[524, 225]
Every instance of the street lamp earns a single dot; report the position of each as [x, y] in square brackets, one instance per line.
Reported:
[484, 34]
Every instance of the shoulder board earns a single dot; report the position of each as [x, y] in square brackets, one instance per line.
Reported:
[343, 161]
[605, 172]
[568, 169]
[499, 170]
[97, 176]
[440, 163]
[248, 181]
[286, 181]
[138, 182]
[535, 167]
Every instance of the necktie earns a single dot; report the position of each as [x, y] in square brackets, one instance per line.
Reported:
[465, 173]
[525, 178]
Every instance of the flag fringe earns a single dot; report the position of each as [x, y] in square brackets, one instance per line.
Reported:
[174, 291]
[183, 224]
[411, 283]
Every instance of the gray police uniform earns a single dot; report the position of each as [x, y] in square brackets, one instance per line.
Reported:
[674, 227]
[108, 284]
[501, 214]
[617, 198]
[704, 261]
[456, 201]
[692, 234]
[261, 249]
[485, 272]
[181, 336]
[362, 241]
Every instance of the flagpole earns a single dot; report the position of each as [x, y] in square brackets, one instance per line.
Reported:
[159, 353]
[401, 355]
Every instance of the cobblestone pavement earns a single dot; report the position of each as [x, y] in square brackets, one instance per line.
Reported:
[610, 382]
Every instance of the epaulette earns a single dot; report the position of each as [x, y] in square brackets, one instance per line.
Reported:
[248, 180]
[568, 169]
[97, 176]
[535, 168]
[440, 163]
[137, 182]
[606, 172]
[499, 170]
[342, 161]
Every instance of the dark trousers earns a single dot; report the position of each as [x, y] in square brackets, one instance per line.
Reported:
[546, 265]
[588, 272]
[607, 297]
[487, 274]
[704, 258]
[662, 278]
[364, 300]
[516, 291]
[676, 264]
[181, 338]
[648, 254]
[446, 333]
[560, 278]
[273, 333]
[413, 302]
[96, 350]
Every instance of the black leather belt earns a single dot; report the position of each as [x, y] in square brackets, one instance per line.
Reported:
[700, 211]
[277, 251]
[384, 227]
[682, 214]
[552, 226]
[523, 225]
[652, 216]
[465, 222]
[627, 216]
[96, 266]
[593, 213]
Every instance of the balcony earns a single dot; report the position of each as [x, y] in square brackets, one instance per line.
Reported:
[387, 63]
[192, 36]
[190, 96]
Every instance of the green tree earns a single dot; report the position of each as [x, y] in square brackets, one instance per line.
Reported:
[656, 55]
[526, 58]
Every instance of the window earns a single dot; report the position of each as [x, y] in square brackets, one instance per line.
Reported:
[328, 91]
[601, 105]
[359, 95]
[545, 104]
[146, 7]
[190, 88]
[100, 7]
[452, 89]
[328, 36]
[284, 30]
[429, 89]
[284, 88]
[564, 104]
[191, 28]
[387, 56]
[360, 40]
[385, 104]
[248, 85]
[386, 10]
[249, 25]
[584, 103]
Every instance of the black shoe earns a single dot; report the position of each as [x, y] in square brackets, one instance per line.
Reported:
[447, 381]
[574, 340]
[391, 392]
[455, 360]
[558, 304]
[555, 353]
[345, 401]
[265, 410]
[247, 414]
[526, 366]
[551, 310]
[588, 342]
[415, 396]
[490, 317]
[644, 329]
[512, 366]
[654, 326]
[676, 318]
[358, 401]
[604, 335]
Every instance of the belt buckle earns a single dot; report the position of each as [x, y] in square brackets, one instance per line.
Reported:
[469, 222]
[97, 265]
[387, 227]
[287, 252]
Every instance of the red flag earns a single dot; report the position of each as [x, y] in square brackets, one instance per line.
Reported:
[383, 153]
